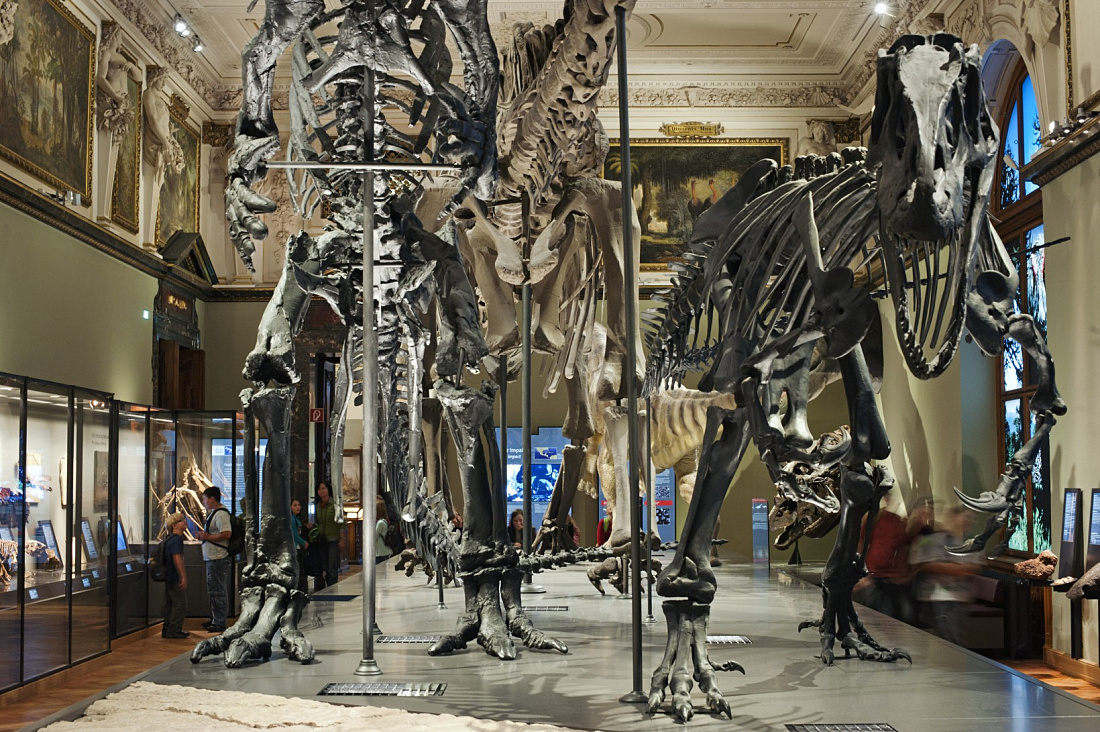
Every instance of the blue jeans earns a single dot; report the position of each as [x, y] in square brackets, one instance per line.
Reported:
[217, 586]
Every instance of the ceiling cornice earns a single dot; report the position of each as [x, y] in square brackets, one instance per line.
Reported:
[148, 21]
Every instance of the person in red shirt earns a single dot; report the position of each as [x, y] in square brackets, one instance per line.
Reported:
[603, 531]
[886, 588]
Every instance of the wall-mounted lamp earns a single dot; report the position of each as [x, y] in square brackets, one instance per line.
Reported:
[65, 198]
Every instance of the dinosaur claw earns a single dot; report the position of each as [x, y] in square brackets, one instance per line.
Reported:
[809, 624]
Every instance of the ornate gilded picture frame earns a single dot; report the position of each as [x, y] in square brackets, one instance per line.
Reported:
[125, 203]
[47, 77]
[675, 180]
[1082, 58]
[178, 209]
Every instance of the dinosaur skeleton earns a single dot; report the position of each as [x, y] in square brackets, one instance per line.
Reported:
[376, 89]
[786, 266]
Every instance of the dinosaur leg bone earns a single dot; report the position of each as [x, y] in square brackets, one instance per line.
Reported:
[270, 600]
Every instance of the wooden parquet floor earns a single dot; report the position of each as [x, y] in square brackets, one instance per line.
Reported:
[54, 694]
[1039, 670]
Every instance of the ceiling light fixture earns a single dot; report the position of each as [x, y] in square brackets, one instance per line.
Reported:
[881, 8]
[181, 27]
[197, 45]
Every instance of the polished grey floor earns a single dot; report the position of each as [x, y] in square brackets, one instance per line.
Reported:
[947, 688]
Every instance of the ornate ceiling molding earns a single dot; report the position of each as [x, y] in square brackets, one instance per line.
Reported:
[220, 96]
[728, 95]
[910, 19]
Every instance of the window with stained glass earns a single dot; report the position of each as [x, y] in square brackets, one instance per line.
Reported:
[1018, 207]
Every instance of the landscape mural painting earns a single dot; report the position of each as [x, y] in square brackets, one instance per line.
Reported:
[46, 77]
[125, 206]
[179, 196]
[676, 180]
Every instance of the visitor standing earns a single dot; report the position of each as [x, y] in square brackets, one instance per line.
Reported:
[301, 545]
[944, 587]
[381, 528]
[515, 529]
[215, 536]
[328, 535]
[175, 579]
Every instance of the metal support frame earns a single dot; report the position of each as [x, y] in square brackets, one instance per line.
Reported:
[525, 403]
[368, 666]
[636, 694]
[650, 511]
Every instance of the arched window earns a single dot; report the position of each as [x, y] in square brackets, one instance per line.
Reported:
[1018, 209]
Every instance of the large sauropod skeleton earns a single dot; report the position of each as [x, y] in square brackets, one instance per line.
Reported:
[790, 266]
[377, 89]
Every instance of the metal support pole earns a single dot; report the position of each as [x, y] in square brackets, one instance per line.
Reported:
[368, 666]
[525, 403]
[650, 511]
[439, 580]
[502, 380]
[636, 694]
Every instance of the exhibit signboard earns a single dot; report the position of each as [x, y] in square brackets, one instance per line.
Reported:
[1070, 552]
[1092, 552]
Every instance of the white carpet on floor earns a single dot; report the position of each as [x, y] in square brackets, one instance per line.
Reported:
[145, 706]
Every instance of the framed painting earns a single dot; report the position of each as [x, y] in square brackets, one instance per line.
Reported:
[1082, 57]
[351, 479]
[178, 209]
[127, 187]
[675, 180]
[47, 73]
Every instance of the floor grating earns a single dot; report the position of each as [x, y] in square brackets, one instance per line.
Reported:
[840, 728]
[546, 608]
[407, 639]
[729, 640]
[382, 689]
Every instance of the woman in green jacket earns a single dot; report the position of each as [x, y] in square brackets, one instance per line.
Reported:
[328, 533]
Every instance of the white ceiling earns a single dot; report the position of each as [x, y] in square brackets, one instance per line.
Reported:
[671, 42]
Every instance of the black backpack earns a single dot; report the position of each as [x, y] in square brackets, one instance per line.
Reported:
[235, 545]
[158, 567]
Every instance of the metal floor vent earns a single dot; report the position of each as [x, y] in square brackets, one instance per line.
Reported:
[730, 640]
[546, 608]
[407, 639]
[334, 598]
[382, 689]
[880, 727]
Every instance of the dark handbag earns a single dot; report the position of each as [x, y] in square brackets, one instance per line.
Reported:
[312, 563]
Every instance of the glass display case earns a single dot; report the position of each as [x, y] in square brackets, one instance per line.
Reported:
[46, 464]
[11, 514]
[92, 478]
[85, 486]
[131, 607]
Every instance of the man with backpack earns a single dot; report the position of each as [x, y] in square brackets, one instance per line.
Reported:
[175, 579]
[215, 536]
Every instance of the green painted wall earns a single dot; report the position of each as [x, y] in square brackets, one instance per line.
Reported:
[1069, 209]
[71, 314]
[229, 334]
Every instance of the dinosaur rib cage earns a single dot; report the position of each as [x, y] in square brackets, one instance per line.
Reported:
[328, 126]
[762, 258]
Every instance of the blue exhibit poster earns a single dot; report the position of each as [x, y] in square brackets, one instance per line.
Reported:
[664, 498]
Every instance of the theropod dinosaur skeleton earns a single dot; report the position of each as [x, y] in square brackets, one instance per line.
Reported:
[789, 265]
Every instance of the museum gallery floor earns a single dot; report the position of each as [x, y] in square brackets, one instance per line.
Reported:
[946, 690]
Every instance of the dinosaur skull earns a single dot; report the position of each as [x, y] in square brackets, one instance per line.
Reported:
[933, 143]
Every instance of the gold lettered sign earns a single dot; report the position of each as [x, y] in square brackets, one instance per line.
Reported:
[691, 129]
